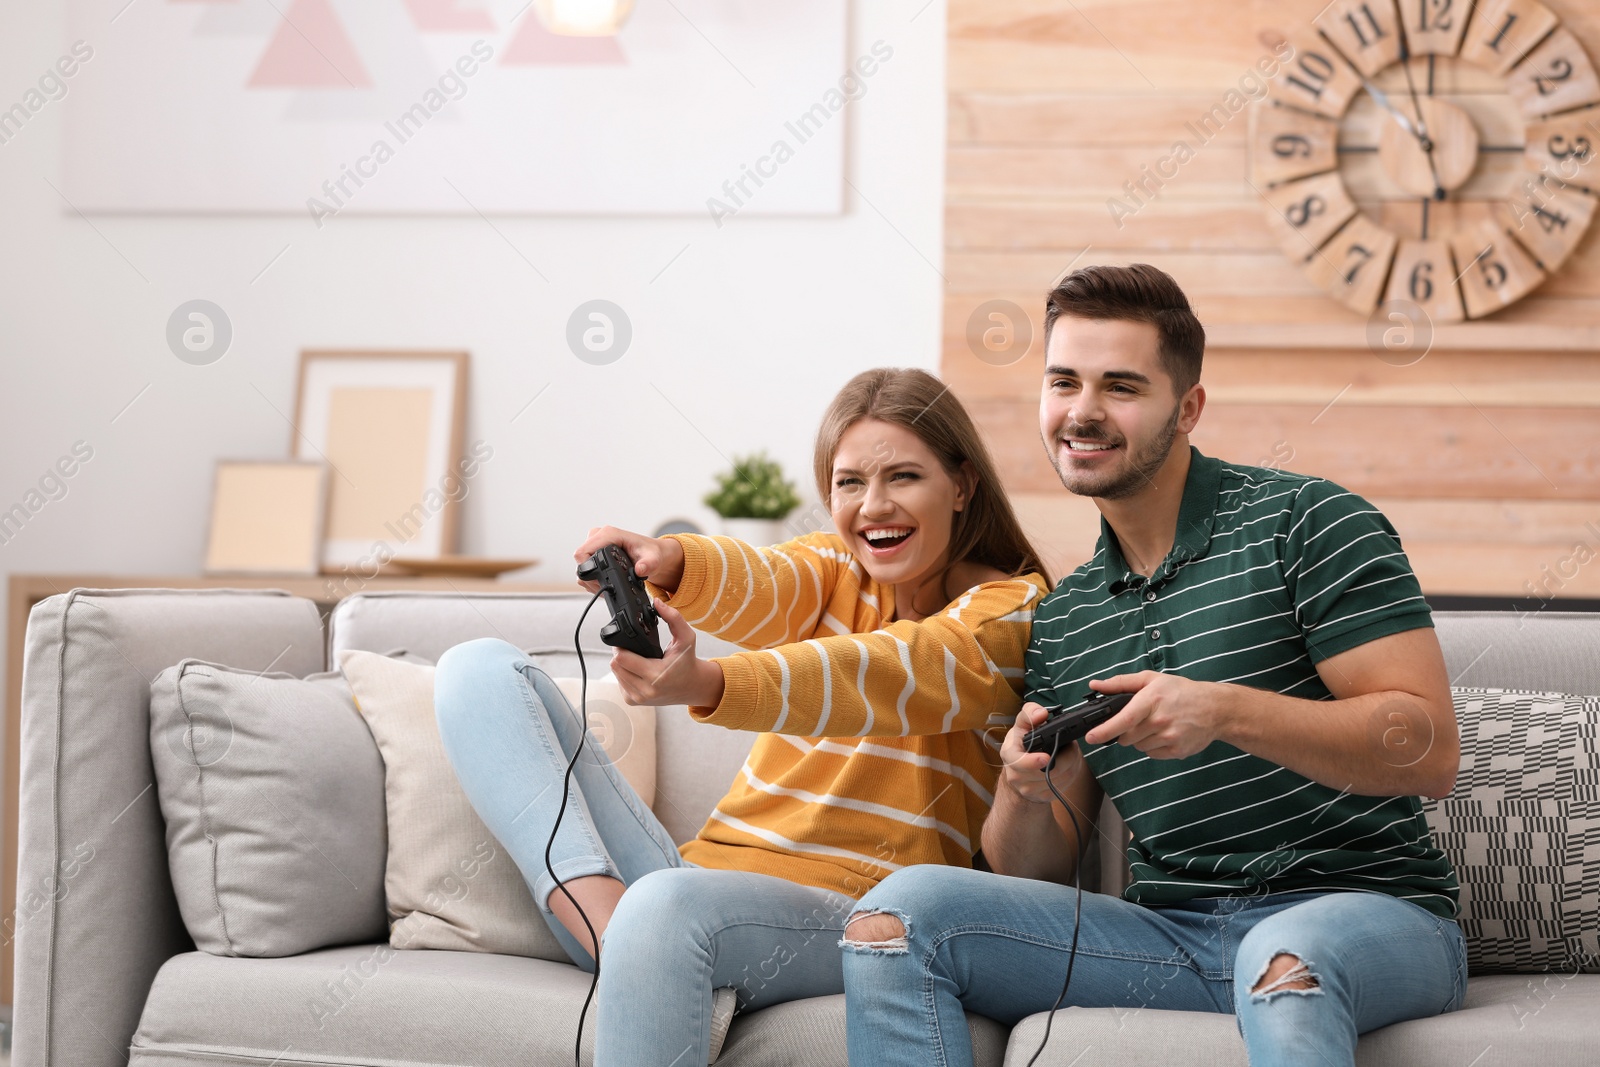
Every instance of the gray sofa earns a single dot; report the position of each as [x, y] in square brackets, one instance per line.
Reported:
[106, 974]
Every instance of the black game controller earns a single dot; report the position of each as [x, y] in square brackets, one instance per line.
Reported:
[1064, 727]
[633, 617]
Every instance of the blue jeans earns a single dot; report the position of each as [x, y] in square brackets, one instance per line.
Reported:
[680, 931]
[998, 946]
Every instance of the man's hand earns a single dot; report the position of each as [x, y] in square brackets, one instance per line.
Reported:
[1169, 717]
[1025, 771]
[1388, 731]
[1028, 834]
[659, 559]
[678, 677]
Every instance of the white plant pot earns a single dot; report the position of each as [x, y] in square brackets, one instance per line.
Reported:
[758, 532]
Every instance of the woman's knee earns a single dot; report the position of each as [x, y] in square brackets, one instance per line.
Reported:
[672, 899]
[464, 676]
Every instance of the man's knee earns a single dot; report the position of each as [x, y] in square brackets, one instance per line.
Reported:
[875, 930]
[928, 896]
[1284, 972]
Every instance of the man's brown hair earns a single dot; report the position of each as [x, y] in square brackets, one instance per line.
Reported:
[1138, 293]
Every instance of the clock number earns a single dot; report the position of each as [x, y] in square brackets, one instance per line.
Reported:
[1319, 72]
[1306, 210]
[1360, 253]
[1549, 220]
[1286, 145]
[1560, 71]
[1577, 149]
[1372, 21]
[1499, 38]
[1441, 13]
[1421, 285]
[1494, 272]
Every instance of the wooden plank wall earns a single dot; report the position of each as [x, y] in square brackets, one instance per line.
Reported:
[1485, 453]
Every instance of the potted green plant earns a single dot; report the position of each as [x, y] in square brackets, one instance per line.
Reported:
[753, 499]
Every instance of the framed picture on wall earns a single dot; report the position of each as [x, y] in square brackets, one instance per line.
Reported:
[289, 94]
[267, 517]
[389, 426]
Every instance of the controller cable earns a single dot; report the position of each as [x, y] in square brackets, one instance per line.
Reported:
[566, 792]
[1077, 898]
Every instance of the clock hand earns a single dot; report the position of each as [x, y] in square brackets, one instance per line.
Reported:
[1411, 87]
[1414, 129]
[1427, 142]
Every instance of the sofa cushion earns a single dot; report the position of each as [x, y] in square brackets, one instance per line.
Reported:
[1522, 828]
[811, 1032]
[1542, 1019]
[1533, 651]
[626, 732]
[272, 792]
[96, 914]
[371, 1004]
[449, 883]
[695, 763]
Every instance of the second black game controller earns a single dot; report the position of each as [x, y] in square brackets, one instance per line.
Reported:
[633, 616]
[1064, 727]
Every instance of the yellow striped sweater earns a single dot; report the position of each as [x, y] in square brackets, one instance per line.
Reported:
[872, 755]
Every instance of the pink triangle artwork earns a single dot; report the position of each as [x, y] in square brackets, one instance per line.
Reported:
[535, 46]
[447, 16]
[310, 50]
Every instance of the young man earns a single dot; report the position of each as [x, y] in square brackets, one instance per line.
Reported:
[1289, 705]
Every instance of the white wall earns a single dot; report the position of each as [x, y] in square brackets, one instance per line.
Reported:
[749, 331]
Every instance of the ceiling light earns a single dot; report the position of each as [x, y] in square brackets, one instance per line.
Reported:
[583, 18]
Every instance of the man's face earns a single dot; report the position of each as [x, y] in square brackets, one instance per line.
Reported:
[1107, 413]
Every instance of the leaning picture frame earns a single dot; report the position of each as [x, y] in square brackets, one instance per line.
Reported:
[267, 518]
[389, 426]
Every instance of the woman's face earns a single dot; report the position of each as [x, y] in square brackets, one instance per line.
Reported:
[893, 502]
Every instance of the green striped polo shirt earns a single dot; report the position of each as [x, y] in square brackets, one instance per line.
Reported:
[1269, 574]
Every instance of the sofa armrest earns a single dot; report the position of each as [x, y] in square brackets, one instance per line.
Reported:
[96, 916]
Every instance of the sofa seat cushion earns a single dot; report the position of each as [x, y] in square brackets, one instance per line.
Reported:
[362, 1004]
[379, 1006]
[810, 1033]
[1545, 1019]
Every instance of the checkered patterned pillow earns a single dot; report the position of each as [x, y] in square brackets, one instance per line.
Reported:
[1523, 830]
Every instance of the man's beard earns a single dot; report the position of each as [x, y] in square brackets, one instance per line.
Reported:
[1142, 465]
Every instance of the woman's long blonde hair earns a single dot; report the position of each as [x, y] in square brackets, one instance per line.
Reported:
[986, 530]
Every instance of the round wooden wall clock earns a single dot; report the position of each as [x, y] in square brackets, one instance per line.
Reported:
[1434, 151]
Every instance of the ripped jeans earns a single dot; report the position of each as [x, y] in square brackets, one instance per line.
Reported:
[998, 946]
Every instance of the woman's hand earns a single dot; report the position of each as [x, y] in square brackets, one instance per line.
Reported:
[1024, 771]
[659, 559]
[678, 677]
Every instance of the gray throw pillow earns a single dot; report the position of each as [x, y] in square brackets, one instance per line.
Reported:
[1520, 829]
[272, 791]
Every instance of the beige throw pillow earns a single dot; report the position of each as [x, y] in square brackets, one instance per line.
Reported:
[626, 732]
[449, 883]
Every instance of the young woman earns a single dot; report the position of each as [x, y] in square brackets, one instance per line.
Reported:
[879, 656]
